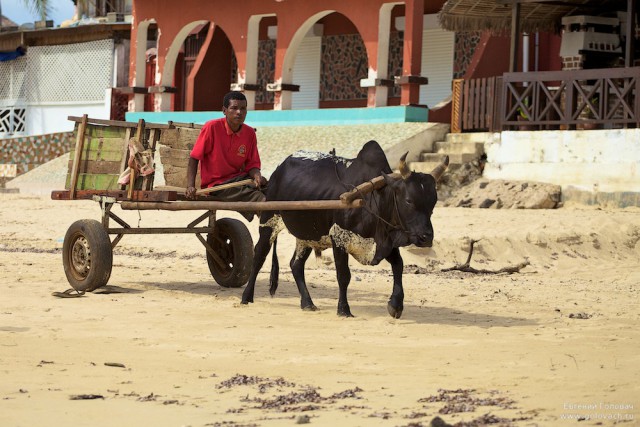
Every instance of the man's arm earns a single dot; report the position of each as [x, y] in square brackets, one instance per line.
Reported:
[192, 170]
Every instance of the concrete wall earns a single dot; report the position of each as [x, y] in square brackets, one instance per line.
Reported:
[595, 166]
[43, 119]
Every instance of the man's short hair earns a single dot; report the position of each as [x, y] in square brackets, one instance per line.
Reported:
[239, 96]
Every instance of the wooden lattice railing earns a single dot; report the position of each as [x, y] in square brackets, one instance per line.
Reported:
[567, 99]
[548, 100]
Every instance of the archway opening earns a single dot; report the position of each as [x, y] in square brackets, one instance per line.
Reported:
[209, 69]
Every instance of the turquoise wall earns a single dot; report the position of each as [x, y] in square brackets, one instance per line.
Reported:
[326, 116]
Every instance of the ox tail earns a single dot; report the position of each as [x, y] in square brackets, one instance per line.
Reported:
[275, 269]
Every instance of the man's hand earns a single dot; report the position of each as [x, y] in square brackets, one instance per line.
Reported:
[192, 170]
[191, 193]
[259, 180]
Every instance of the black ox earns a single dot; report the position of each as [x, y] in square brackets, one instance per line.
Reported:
[398, 214]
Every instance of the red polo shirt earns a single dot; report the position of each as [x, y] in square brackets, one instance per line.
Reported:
[224, 154]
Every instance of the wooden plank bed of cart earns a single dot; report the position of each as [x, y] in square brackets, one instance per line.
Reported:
[101, 156]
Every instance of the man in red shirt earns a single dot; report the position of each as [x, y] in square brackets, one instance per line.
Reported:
[227, 151]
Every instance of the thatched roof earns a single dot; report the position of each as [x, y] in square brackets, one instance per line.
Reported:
[481, 15]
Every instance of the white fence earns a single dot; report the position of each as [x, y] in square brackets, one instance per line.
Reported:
[73, 77]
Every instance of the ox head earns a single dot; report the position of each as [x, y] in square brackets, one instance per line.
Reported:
[414, 197]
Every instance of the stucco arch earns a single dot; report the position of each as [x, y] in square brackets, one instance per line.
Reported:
[165, 76]
[379, 95]
[140, 70]
[249, 75]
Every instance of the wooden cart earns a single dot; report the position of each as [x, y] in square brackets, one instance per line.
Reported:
[101, 155]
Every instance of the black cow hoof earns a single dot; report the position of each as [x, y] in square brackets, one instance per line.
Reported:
[245, 302]
[395, 312]
[310, 308]
[345, 314]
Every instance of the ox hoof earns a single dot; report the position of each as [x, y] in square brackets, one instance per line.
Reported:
[310, 308]
[245, 302]
[395, 312]
[345, 313]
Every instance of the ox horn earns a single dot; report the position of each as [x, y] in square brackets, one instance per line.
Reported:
[403, 167]
[438, 171]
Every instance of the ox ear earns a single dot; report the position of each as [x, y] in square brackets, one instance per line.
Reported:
[403, 167]
[389, 179]
[438, 171]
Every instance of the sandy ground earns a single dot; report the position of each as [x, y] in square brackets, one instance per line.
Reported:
[163, 345]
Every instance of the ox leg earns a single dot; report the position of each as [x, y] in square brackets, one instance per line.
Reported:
[341, 258]
[396, 301]
[297, 269]
[261, 251]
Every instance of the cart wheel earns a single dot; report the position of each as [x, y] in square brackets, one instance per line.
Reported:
[233, 244]
[87, 255]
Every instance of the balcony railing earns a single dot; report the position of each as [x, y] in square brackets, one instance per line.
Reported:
[549, 100]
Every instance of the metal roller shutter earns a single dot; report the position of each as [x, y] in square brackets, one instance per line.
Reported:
[306, 73]
[437, 62]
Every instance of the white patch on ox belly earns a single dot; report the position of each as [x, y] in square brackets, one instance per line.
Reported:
[315, 156]
[362, 249]
[318, 246]
[276, 224]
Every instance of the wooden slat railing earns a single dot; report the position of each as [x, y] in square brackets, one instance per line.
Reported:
[475, 104]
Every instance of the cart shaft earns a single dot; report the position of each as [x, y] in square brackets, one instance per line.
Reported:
[242, 206]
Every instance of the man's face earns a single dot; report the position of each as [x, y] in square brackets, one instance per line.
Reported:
[235, 113]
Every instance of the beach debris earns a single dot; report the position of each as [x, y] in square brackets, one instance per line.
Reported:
[580, 316]
[69, 293]
[85, 396]
[149, 398]
[114, 364]
[466, 267]
[303, 419]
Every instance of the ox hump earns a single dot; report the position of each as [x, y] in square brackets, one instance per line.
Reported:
[314, 156]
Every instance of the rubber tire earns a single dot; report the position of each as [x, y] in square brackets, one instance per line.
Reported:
[87, 255]
[233, 243]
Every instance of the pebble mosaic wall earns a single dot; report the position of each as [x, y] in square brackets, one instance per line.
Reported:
[31, 151]
[343, 65]
[266, 70]
[396, 41]
[465, 45]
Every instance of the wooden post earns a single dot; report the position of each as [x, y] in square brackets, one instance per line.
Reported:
[125, 153]
[629, 50]
[82, 127]
[154, 135]
[456, 106]
[139, 137]
[515, 36]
